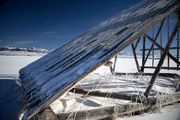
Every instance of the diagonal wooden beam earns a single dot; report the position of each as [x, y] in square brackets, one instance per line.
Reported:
[152, 44]
[159, 46]
[161, 61]
[135, 56]
[136, 44]
[114, 65]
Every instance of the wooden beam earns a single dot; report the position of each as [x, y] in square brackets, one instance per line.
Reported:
[134, 98]
[114, 65]
[172, 48]
[143, 52]
[136, 44]
[168, 33]
[135, 57]
[169, 68]
[120, 110]
[153, 47]
[161, 61]
[159, 46]
[153, 43]
[178, 45]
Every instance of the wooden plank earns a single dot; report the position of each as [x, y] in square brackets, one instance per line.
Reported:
[143, 52]
[131, 97]
[172, 48]
[168, 68]
[121, 110]
[170, 75]
[135, 57]
[114, 65]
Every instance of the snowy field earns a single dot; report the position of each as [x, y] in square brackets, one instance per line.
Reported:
[100, 80]
[166, 113]
[10, 65]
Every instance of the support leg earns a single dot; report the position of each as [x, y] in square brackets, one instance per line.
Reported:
[114, 65]
[135, 57]
[159, 46]
[143, 52]
[153, 43]
[161, 61]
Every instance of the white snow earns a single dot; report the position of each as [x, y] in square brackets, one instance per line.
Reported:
[166, 113]
[12, 64]
[126, 64]
[101, 79]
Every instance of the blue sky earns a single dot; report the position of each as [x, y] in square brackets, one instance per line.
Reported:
[51, 23]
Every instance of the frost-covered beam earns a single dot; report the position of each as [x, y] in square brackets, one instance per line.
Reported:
[159, 46]
[152, 46]
[131, 97]
[52, 76]
[161, 61]
[135, 57]
[120, 110]
[143, 53]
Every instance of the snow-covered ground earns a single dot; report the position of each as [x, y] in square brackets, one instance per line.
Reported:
[166, 113]
[129, 85]
[126, 64]
[101, 79]
[10, 65]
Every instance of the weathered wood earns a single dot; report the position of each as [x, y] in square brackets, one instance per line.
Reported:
[137, 42]
[102, 113]
[114, 65]
[170, 75]
[168, 34]
[120, 110]
[135, 57]
[168, 68]
[169, 54]
[135, 98]
[159, 48]
[55, 74]
[143, 52]
[161, 61]
[153, 46]
[155, 39]
[178, 48]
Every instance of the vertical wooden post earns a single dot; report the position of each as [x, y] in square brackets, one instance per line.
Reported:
[135, 57]
[161, 37]
[168, 37]
[153, 43]
[153, 47]
[114, 65]
[143, 53]
[178, 48]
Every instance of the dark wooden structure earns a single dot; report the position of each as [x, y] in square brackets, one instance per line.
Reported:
[52, 76]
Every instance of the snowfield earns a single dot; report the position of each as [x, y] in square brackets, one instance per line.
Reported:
[99, 80]
[10, 65]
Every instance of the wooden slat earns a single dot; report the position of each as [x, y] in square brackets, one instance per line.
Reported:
[120, 110]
